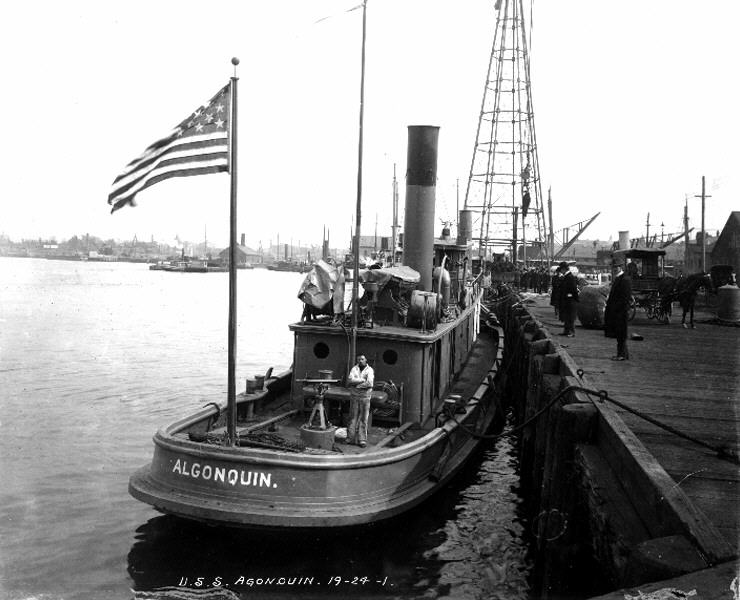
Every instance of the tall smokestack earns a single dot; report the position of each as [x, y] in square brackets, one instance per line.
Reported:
[242, 243]
[421, 182]
[465, 226]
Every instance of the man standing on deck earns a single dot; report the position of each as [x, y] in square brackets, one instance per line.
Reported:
[568, 300]
[361, 379]
[557, 278]
[616, 313]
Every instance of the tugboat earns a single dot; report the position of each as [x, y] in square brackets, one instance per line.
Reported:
[276, 458]
[273, 456]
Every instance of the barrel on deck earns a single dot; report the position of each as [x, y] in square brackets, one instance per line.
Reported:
[591, 304]
[728, 303]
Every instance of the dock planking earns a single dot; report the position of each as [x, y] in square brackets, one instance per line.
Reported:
[688, 379]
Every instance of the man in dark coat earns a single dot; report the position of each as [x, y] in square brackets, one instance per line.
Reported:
[568, 300]
[557, 278]
[616, 313]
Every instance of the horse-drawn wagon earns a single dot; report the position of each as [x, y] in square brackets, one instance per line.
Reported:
[655, 292]
[647, 291]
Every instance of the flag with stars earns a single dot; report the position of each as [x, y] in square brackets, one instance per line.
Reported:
[197, 146]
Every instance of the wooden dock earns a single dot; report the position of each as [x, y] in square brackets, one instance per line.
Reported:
[688, 379]
[627, 465]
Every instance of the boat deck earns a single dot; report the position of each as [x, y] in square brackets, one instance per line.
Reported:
[276, 420]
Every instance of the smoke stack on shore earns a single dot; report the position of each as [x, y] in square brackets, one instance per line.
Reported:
[465, 226]
[624, 240]
[421, 185]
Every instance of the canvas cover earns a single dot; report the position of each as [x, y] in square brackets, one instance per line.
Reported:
[323, 284]
[404, 275]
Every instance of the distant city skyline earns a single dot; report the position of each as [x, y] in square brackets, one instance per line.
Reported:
[633, 103]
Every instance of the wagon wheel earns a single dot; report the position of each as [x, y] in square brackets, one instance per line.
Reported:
[632, 309]
[652, 306]
[650, 310]
[666, 309]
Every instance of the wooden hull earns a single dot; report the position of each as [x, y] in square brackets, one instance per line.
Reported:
[255, 487]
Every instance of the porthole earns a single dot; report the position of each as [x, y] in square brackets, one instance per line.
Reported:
[321, 350]
[390, 357]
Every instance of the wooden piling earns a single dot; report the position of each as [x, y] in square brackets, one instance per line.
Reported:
[592, 482]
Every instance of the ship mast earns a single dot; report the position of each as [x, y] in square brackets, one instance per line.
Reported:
[504, 185]
[358, 208]
[394, 242]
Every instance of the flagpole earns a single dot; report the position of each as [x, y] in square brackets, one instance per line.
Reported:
[231, 400]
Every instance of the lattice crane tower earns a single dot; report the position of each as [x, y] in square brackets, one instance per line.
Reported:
[504, 187]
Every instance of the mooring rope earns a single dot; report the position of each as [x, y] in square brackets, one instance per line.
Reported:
[260, 439]
[723, 453]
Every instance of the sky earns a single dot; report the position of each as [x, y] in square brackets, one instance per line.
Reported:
[634, 101]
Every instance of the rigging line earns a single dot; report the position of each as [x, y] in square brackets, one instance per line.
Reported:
[336, 14]
[722, 452]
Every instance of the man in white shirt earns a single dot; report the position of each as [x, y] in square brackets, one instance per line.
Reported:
[361, 379]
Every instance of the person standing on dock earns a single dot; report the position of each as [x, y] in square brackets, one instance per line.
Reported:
[557, 278]
[568, 300]
[616, 313]
[361, 379]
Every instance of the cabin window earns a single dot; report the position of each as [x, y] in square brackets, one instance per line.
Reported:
[321, 350]
[390, 357]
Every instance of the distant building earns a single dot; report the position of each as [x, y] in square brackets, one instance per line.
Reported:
[374, 247]
[370, 245]
[244, 254]
[693, 261]
[726, 250]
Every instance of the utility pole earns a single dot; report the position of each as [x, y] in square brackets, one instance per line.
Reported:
[703, 197]
[686, 234]
[457, 201]
[375, 242]
[395, 218]
[647, 231]
[552, 231]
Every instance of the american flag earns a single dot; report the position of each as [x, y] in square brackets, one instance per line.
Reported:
[197, 146]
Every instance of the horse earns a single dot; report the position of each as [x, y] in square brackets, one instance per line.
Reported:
[683, 289]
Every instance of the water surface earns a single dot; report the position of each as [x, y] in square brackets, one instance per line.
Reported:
[94, 357]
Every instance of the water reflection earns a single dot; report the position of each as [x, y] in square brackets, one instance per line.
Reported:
[468, 541]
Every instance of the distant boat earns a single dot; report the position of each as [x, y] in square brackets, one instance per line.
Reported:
[215, 266]
[284, 265]
[160, 265]
[196, 266]
[177, 266]
[66, 257]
